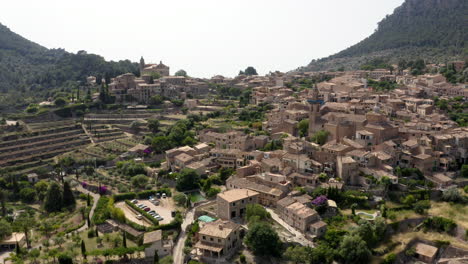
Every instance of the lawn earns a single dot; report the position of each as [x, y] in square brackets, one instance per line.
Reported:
[196, 197]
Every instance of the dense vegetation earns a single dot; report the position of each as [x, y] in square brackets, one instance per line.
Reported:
[428, 29]
[30, 72]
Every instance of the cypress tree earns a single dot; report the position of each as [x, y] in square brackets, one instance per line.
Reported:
[124, 241]
[17, 248]
[83, 248]
[68, 198]
[156, 257]
[88, 200]
[53, 200]
[97, 233]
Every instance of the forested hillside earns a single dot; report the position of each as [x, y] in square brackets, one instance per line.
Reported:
[30, 72]
[434, 30]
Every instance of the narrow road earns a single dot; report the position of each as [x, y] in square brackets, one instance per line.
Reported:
[178, 252]
[298, 236]
[91, 212]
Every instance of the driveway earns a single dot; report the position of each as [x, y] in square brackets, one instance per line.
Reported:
[298, 236]
[178, 253]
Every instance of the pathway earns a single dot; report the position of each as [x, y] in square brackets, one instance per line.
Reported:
[178, 252]
[91, 212]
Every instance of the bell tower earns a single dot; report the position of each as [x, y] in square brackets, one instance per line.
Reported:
[314, 111]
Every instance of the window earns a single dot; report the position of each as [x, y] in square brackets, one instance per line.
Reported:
[204, 237]
[211, 239]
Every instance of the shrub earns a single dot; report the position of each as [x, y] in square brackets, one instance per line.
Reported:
[439, 224]
[91, 233]
[389, 259]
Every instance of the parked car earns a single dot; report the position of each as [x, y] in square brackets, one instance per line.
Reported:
[135, 201]
[152, 211]
[160, 218]
[140, 205]
[139, 216]
[164, 195]
[155, 202]
[146, 209]
[158, 195]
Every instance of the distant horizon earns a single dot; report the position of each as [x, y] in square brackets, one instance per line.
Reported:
[205, 38]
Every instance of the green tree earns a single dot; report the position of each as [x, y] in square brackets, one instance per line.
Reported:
[255, 213]
[464, 171]
[187, 179]
[298, 254]
[156, 100]
[156, 257]
[303, 127]
[250, 71]
[27, 195]
[64, 259]
[180, 199]
[320, 137]
[3, 197]
[53, 200]
[154, 125]
[124, 239]
[181, 73]
[24, 223]
[68, 197]
[5, 229]
[83, 248]
[41, 189]
[139, 181]
[60, 102]
[262, 239]
[353, 249]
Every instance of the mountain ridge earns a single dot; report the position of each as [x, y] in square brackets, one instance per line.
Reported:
[434, 30]
[30, 72]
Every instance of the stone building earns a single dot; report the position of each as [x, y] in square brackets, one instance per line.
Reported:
[233, 203]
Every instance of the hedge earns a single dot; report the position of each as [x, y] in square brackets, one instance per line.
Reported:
[141, 195]
[143, 213]
[174, 224]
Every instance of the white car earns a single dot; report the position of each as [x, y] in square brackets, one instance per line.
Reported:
[139, 217]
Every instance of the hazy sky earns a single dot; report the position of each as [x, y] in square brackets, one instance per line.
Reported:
[204, 37]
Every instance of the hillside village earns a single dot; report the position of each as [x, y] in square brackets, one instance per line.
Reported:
[300, 167]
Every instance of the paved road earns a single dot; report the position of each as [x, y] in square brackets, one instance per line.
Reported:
[91, 212]
[178, 253]
[298, 236]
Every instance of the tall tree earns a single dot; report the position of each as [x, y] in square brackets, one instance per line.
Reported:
[354, 250]
[83, 248]
[5, 229]
[53, 200]
[3, 202]
[68, 197]
[24, 223]
[181, 73]
[262, 239]
[250, 71]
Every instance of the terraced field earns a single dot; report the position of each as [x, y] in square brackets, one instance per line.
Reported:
[45, 141]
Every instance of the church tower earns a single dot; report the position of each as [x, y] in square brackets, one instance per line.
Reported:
[314, 111]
